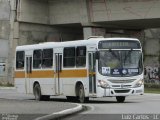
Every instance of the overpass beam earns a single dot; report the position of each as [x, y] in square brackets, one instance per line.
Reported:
[93, 31]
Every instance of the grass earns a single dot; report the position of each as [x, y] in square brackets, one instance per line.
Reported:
[152, 90]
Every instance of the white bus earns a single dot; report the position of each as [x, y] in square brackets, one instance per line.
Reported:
[97, 67]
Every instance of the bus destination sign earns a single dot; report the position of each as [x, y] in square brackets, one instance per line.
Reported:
[119, 44]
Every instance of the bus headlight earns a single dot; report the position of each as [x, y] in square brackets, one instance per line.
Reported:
[139, 83]
[103, 84]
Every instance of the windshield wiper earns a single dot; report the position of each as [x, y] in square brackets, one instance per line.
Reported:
[113, 53]
[129, 53]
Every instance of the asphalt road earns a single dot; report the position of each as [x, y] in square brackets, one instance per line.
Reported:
[145, 107]
[24, 106]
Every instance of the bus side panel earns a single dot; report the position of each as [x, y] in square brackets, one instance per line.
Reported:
[69, 85]
[20, 85]
[47, 85]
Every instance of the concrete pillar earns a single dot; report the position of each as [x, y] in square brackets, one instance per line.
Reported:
[12, 41]
[93, 31]
[87, 31]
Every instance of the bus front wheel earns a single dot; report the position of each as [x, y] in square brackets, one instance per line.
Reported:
[81, 95]
[120, 99]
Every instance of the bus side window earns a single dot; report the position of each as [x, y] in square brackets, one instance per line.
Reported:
[47, 61]
[81, 56]
[37, 59]
[69, 57]
[20, 60]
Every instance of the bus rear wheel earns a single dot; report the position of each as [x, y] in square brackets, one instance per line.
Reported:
[37, 92]
[38, 95]
[120, 99]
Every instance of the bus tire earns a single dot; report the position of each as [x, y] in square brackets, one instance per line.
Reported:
[120, 99]
[37, 92]
[81, 94]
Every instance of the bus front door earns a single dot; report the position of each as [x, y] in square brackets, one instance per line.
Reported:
[58, 70]
[28, 73]
[92, 72]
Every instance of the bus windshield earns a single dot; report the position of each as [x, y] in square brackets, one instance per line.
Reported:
[118, 63]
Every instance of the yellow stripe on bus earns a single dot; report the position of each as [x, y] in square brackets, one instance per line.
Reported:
[19, 74]
[35, 74]
[42, 74]
[73, 73]
[50, 74]
[92, 73]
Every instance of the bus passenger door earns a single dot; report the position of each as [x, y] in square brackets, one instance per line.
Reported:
[92, 72]
[58, 70]
[28, 73]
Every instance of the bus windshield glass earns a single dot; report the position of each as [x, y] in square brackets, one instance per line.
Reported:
[118, 63]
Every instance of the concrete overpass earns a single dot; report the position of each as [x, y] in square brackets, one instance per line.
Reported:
[115, 12]
[34, 21]
[78, 19]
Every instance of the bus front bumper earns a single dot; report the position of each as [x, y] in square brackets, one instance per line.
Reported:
[126, 92]
[111, 92]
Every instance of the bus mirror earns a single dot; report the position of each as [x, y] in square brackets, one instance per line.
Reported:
[97, 55]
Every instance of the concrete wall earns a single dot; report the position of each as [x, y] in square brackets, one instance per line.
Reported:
[68, 11]
[36, 16]
[3, 50]
[4, 36]
[111, 10]
[152, 55]
[33, 11]
[30, 33]
[4, 20]
[70, 33]
[82, 11]
[52, 12]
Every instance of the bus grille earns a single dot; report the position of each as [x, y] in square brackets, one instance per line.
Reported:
[122, 81]
[121, 91]
[116, 86]
[121, 86]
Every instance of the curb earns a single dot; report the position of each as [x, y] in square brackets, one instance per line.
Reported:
[61, 113]
[7, 88]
